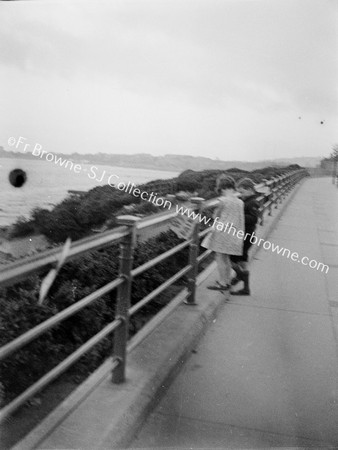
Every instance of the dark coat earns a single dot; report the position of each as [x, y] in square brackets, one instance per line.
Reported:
[251, 213]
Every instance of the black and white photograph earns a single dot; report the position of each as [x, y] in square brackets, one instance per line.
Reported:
[168, 224]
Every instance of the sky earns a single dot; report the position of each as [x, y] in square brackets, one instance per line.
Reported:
[228, 79]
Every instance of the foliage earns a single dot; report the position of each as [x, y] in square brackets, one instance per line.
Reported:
[22, 227]
[77, 279]
[145, 208]
[204, 182]
[60, 223]
[75, 217]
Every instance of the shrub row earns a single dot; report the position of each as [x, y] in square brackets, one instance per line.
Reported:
[20, 310]
[75, 217]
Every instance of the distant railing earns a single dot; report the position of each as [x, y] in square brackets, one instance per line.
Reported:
[126, 235]
[277, 189]
[160, 187]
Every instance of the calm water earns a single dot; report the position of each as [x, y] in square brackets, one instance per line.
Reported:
[47, 184]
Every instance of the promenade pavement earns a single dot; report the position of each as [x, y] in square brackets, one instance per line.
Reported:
[265, 374]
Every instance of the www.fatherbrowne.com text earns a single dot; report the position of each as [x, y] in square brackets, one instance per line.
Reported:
[131, 188]
[267, 245]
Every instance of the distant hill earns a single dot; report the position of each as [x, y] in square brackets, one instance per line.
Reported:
[168, 162]
[304, 161]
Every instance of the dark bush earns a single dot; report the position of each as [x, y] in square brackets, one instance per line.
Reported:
[76, 217]
[77, 279]
[235, 170]
[146, 208]
[62, 222]
[23, 227]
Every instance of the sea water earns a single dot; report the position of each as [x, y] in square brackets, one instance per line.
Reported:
[47, 184]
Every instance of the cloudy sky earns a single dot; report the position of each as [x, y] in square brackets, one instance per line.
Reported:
[228, 79]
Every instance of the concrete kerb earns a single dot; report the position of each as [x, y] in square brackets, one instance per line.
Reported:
[99, 414]
[108, 415]
[193, 322]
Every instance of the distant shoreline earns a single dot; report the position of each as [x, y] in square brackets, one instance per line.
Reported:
[168, 162]
[49, 184]
[145, 167]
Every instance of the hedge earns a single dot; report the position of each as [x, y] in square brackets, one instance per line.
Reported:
[20, 310]
[75, 217]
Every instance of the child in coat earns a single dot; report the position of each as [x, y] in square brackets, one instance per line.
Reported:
[223, 239]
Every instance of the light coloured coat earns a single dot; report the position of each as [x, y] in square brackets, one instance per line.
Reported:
[222, 237]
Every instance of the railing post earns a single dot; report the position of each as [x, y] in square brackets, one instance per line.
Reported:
[270, 197]
[289, 183]
[123, 296]
[295, 179]
[267, 197]
[193, 254]
[261, 214]
[283, 190]
[277, 197]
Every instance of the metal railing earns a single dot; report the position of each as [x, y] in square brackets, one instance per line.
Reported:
[160, 187]
[126, 236]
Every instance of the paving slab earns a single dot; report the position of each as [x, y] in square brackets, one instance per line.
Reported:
[266, 373]
[330, 254]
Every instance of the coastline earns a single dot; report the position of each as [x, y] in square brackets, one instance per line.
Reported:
[25, 156]
[20, 247]
[48, 184]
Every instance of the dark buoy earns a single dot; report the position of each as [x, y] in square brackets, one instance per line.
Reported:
[17, 177]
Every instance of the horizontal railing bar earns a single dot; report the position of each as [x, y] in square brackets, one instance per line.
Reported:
[160, 258]
[267, 204]
[59, 369]
[209, 204]
[27, 337]
[161, 316]
[135, 308]
[204, 255]
[204, 232]
[14, 272]
[158, 218]
[154, 322]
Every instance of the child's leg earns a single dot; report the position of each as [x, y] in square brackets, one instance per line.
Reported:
[236, 267]
[224, 269]
[227, 268]
[245, 277]
[243, 271]
[221, 268]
